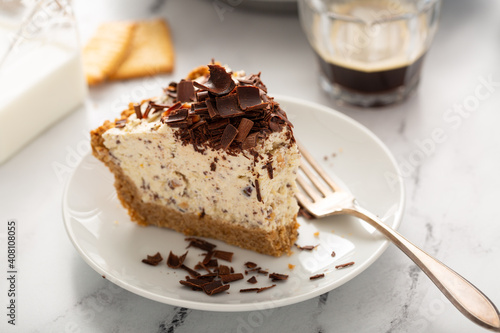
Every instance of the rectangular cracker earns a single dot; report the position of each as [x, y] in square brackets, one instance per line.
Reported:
[151, 51]
[106, 50]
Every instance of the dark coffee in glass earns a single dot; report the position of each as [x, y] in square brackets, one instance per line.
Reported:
[370, 52]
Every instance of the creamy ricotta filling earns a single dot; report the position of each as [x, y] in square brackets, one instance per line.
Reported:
[211, 182]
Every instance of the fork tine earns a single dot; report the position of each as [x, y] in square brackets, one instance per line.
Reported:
[303, 200]
[318, 169]
[308, 189]
[315, 179]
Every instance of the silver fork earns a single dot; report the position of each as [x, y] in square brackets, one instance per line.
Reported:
[321, 197]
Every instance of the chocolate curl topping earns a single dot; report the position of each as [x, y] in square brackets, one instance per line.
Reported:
[146, 113]
[201, 96]
[228, 106]
[185, 91]
[228, 136]
[220, 82]
[137, 109]
[203, 116]
[179, 115]
[212, 110]
[250, 141]
[170, 109]
[120, 123]
[243, 129]
[248, 96]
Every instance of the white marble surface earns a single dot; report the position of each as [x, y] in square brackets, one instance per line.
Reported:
[453, 187]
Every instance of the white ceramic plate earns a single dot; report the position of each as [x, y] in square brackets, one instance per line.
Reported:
[110, 243]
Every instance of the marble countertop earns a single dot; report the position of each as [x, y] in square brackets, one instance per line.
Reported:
[452, 186]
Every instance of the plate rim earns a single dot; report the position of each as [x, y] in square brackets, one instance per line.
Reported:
[266, 304]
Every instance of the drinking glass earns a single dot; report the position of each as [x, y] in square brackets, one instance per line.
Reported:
[370, 52]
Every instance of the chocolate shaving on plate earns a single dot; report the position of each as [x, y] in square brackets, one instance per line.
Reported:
[226, 278]
[201, 265]
[223, 255]
[223, 270]
[344, 265]
[249, 290]
[195, 284]
[174, 261]
[257, 290]
[250, 264]
[317, 276]
[265, 288]
[252, 280]
[307, 247]
[278, 277]
[153, 260]
[208, 277]
[212, 263]
[215, 287]
[200, 243]
[208, 257]
[191, 272]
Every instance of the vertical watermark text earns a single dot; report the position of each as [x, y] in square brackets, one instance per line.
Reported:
[453, 118]
[11, 271]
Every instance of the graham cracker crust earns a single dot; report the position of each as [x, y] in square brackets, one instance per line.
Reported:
[276, 242]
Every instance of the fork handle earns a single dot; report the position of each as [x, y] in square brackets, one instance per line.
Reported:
[462, 294]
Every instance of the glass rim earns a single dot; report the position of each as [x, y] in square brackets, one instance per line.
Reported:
[349, 18]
